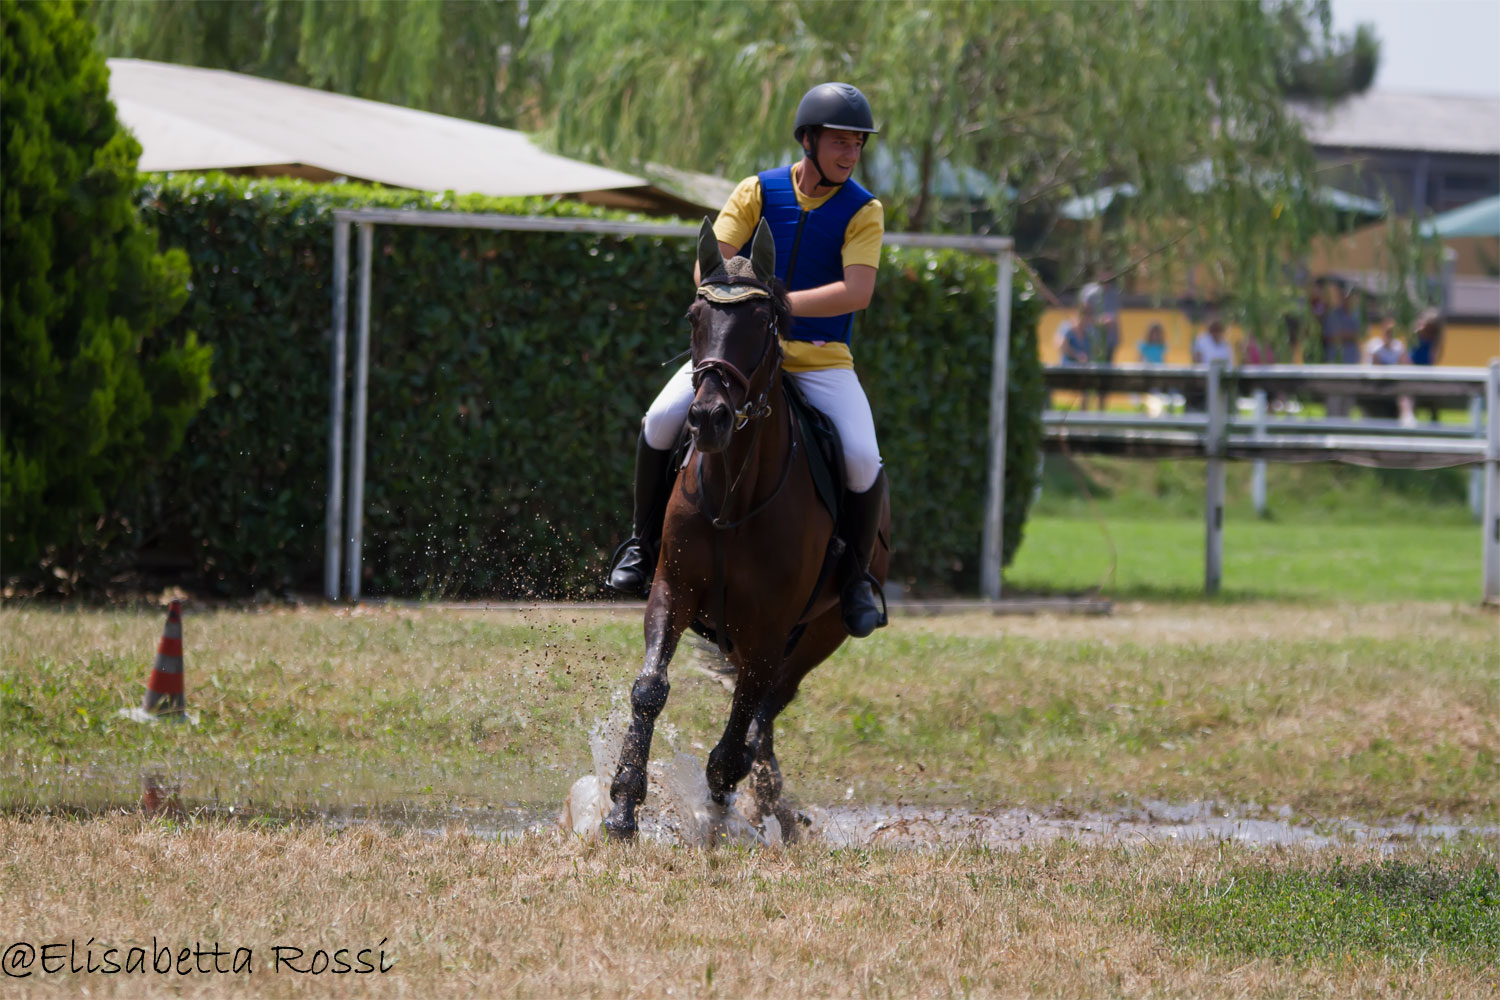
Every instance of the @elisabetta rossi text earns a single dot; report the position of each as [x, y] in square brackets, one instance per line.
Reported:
[25, 958]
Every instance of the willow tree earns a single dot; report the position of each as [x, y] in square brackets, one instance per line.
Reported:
[1182, 102]
[454, 57]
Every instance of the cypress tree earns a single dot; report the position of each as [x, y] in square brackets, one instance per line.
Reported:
[90, 396]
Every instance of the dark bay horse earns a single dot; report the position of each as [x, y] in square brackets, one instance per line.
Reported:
[745, 536]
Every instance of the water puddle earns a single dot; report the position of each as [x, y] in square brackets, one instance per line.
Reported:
[678, 811]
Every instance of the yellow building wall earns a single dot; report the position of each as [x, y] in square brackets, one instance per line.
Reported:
[1463, 343]
[1470, 344]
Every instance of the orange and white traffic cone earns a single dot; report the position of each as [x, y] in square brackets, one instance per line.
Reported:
[164, 689]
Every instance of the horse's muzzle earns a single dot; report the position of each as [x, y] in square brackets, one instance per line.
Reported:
[711, 422]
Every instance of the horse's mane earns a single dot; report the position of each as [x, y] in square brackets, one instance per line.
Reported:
[781, 304]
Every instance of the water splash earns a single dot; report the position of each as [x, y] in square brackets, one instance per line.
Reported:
[678, 807]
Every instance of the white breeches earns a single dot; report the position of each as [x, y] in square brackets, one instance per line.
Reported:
[834, 391]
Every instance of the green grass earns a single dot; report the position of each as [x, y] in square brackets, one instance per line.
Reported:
[1399, 910]
[1333, 533]
[1313, 493]
[1130, 557]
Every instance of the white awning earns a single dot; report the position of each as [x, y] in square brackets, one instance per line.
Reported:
[188, 118]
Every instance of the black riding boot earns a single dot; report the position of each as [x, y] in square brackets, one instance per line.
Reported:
[636, 559]
[863, 608]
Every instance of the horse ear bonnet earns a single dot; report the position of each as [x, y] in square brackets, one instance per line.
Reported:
[738, 278]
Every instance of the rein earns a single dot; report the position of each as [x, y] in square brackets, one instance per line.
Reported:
[753, 411]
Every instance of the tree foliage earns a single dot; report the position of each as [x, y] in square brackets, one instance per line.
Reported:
[1049, 99]
[454, 57]
[90, 398]
[1046, 100]
[1319, 65]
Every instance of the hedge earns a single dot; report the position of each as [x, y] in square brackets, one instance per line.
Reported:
[508, 375]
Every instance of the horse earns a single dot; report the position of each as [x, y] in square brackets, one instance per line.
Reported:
[746, 543]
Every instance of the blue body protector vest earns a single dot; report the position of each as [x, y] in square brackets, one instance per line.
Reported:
[810, 246]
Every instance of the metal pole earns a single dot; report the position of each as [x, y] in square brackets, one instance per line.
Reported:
[1258, 470]
[1213, 507]
[354, 540]
[338, 335]
[1476, 474]
[1449, 268]
[1491, 523]
[993, 541]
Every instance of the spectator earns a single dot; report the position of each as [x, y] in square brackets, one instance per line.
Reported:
[1317, 308]
[1387, 349]
[1341, 344]
[1209, 346]
[1257, 351]
[1428, 349]
[1341, 328]
[1153, 351]
[1088, 337]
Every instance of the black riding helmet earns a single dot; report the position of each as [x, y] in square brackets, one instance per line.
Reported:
[832, 105]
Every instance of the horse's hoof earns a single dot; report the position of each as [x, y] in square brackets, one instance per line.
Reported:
[619, 830]
[620, 823]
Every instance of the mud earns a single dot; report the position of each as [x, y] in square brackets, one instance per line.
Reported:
[664, 820]
[933, 827]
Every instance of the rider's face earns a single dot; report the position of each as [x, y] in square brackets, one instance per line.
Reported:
[838, 153]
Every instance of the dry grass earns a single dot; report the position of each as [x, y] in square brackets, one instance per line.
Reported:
[549, 916]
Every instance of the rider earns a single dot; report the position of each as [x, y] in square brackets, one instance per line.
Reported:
[828, 231]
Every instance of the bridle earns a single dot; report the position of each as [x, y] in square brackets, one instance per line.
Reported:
[730, 375]
[751, 410]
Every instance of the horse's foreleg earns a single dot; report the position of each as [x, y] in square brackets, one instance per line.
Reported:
[730, 760]
[648, 696]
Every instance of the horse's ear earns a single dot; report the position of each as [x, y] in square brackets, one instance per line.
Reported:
[763, 253]
[709, 257]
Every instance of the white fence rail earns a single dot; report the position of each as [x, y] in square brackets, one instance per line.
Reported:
[1217, 435]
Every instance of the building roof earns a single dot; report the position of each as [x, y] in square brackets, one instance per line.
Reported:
[1480, 218]
[1199, 178]
[187, 118]
[1412, 122]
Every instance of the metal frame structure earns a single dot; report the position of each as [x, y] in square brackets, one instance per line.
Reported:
[1217, 437]
[346, 535]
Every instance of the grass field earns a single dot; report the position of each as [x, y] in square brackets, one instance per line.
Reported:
[456, 915]
[1346, 673]
[1135, 529]
[1151, 558]
[1367, 710]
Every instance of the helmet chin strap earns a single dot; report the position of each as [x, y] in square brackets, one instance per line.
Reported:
[812, 156]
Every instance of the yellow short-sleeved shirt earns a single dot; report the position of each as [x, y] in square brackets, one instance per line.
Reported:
[736, 224]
